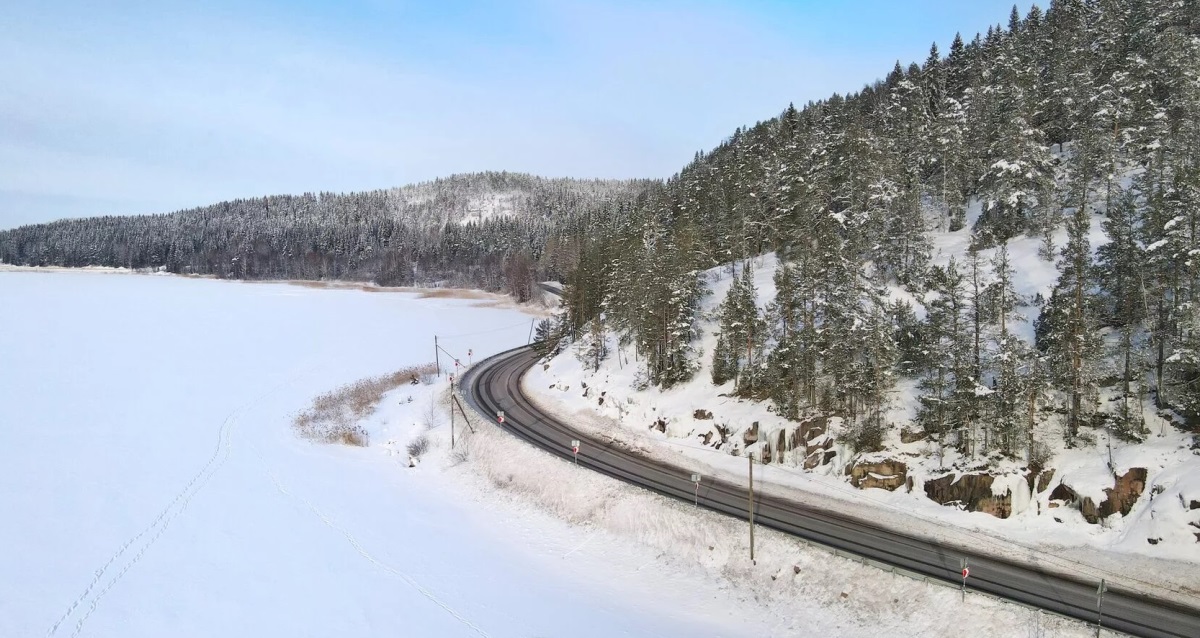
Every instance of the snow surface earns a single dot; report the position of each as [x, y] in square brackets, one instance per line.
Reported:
[152, 485]
[157, 489]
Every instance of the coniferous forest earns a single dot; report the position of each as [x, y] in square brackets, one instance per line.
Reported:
[485, 230]
[1082, 116]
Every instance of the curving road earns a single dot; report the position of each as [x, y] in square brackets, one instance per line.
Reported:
[495, 384]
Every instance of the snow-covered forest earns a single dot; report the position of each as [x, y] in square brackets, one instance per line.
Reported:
[1078, 126]
[485, 230]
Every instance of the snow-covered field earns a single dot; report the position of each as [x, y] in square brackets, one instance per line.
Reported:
[152, 486]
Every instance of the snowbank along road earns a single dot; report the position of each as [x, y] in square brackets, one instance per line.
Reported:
[494, 385]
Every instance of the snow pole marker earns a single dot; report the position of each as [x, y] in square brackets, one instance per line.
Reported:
[500, 416]
[966, 571]
[696, 480]
[575, 450]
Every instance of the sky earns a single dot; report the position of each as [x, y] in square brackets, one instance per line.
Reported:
[131, 108]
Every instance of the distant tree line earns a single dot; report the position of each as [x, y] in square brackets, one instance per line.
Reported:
[491, 230]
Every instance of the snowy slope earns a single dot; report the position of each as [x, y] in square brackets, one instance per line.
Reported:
[1117, 549]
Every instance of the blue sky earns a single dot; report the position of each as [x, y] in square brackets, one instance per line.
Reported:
[131, 108]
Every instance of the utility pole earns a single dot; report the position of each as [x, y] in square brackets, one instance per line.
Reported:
[436, 358]
[750, 457]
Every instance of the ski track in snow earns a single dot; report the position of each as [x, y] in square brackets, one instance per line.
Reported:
[362, 551]
[169, 513]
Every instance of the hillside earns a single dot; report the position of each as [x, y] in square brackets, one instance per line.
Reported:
[977, 282]
[489, 230]
[909, 475]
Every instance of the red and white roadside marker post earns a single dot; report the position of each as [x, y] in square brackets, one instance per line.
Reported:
[696, 480]
[1100, 605]
[469, 354]
[966, 571]
[500, 417]
[575, 450]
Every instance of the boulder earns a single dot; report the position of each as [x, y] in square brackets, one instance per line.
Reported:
[972, 491]
[750, 436]
[702, 415]
[908, 436]
[1125, 493]
[888, 475]
[1118, 499]
[1043, 480]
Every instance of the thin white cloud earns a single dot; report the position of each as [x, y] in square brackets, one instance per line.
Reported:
[177, 108]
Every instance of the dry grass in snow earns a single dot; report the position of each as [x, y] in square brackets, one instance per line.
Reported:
[334, 416]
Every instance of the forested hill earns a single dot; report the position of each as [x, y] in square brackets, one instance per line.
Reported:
[1079, 125]
[492, 230]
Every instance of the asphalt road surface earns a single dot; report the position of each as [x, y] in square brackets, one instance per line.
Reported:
[495, 384]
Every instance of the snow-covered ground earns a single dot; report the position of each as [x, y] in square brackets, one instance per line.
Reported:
[1058, 539]
[151, 484]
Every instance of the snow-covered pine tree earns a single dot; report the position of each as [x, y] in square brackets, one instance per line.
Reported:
[1007, 361]
[1118, 269]
[1067, 329]
[742, 335]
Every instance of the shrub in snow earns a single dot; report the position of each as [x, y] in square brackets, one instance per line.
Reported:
[334, 416]
[418, 447]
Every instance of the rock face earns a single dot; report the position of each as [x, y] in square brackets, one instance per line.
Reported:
[1043, 480]
[972, 491]
[702, 414]
[775, 446]
[1086, 505]
[750, 436]
[887, 475]
[811, 437]
[1119, 498]
[1126, 492]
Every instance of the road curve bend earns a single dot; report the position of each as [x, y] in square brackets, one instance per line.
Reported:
[495, 384]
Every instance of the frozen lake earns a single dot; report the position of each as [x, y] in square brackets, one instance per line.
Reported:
[151, 485]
